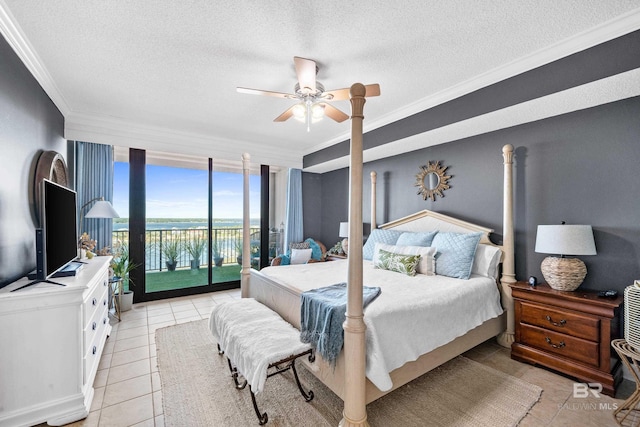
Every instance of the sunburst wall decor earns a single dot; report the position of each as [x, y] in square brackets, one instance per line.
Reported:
[432, 180]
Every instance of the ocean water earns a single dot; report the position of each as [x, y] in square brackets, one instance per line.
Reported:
[171, 225]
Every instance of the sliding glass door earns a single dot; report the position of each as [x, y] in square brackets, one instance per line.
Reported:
[176, 234]
[187, 217]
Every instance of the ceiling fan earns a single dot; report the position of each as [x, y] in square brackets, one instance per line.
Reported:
[311, 96]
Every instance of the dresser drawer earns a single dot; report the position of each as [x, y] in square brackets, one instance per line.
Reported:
[93, 352]
[573, 324]
[561, 344]
[98, 298]
[95, 326]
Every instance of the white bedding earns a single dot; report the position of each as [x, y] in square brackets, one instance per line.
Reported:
[412, 315]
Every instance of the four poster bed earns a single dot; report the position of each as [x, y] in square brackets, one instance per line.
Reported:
[375, 362]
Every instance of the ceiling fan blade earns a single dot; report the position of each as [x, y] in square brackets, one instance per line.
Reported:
[341, 94]
[285, 116]
[372, 90]
[306, 72]
[333, 113]
[265, 92]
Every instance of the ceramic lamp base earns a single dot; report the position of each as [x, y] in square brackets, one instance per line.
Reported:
[563, 274]
[345, 245]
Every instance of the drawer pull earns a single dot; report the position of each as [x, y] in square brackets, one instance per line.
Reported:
[561, 323]
[94, 350]
[94, 325]
[560, 345]
[94, 301]
[104, 283]
[104, 302]
[104, 321]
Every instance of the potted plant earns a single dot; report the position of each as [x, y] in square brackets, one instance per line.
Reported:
[195, 248]
[171, 252]
[238, 245]
[122, 266]
[217, 256]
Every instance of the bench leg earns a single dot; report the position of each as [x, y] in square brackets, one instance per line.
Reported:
[234, 372]
[308, 397]
[234, 376]
[262, 418]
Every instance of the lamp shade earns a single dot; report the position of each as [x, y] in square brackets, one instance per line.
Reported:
[344, 229]
[102, 209]
[565, 240]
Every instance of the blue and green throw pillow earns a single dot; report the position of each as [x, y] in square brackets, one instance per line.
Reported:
[405, 264]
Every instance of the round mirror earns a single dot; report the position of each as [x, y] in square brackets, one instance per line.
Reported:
[432, 180]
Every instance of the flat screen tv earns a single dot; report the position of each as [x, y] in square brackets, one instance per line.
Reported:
[59, 231]
[57, 237]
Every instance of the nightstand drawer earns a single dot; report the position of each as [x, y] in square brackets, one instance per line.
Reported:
[561, 344]
[561, 321]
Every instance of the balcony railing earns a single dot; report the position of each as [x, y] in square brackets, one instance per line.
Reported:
[225, 237]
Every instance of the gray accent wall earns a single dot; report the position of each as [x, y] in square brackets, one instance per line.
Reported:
[29, 124]
[582, 168]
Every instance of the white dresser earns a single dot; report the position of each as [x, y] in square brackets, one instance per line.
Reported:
[51, 340]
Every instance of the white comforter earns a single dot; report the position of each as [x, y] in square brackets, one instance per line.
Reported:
[412, 315]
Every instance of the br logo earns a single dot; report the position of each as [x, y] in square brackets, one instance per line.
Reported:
[582, 390]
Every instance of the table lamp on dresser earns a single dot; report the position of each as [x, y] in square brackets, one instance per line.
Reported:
[561, 273]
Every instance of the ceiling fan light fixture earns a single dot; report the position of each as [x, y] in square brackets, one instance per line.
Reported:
[317, 111]
[299, 111]
[311, 97]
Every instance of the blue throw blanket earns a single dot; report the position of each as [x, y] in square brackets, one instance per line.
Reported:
[322, 314]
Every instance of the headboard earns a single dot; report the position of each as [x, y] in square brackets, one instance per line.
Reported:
[427, 220]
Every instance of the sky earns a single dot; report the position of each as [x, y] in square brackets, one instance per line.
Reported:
[182, 193]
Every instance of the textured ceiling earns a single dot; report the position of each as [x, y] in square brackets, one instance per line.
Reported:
[162, 75]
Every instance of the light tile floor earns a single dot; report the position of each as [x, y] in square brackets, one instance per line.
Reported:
[128, 390]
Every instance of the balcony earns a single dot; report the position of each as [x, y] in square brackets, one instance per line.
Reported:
[159, 278]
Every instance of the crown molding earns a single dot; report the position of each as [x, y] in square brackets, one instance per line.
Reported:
[599, 34]
[21, 46]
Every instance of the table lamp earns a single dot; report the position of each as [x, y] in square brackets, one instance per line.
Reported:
[101, 209]
[344, 232]
[564, 274]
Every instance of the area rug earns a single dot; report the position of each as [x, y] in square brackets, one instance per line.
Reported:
[197, 390]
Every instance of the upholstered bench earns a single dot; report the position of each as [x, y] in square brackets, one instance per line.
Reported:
[255, 339]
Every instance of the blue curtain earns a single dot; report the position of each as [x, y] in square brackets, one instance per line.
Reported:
[94, 178]
[293, 230]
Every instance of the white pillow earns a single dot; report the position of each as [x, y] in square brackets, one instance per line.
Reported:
[427, 264]
[486, 261]
[300, 256]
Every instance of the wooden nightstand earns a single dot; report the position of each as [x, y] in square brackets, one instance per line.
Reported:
[569, 332]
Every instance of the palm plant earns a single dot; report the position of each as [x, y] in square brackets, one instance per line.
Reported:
[217, 256]
[238, 245]
[121, 264]
[171, 252]
[195, 247]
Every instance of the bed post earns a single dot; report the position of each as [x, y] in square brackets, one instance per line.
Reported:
[355, 408]
[373, 200]
[246, 234]
[506, 338]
